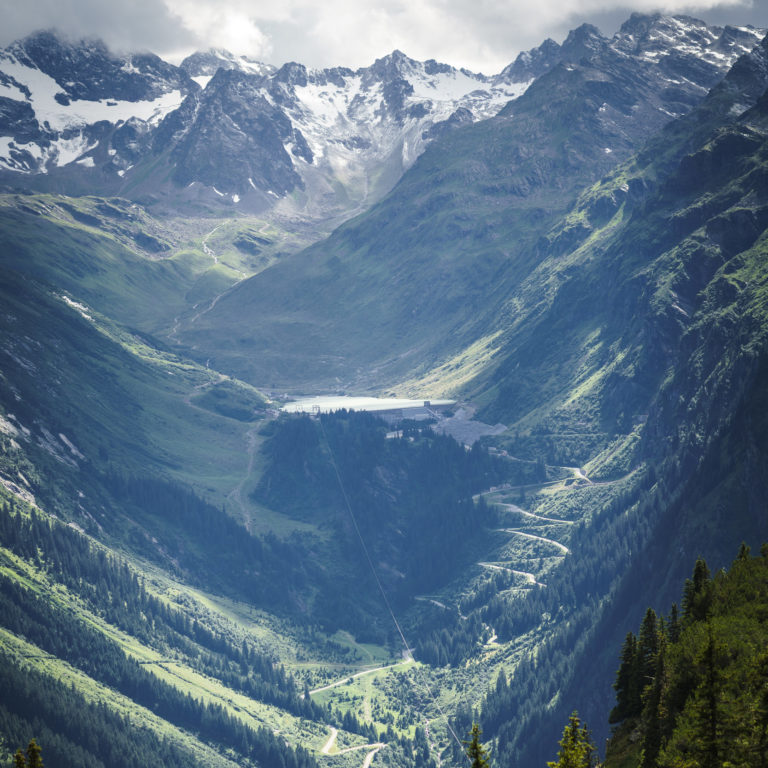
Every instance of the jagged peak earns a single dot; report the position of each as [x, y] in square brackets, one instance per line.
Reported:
[392, 65]
[638, 23]
[584, 31]
[533, 62]
[207, 62]
[399, 66]
[292, 73]
[653, 34]
[397, 55]
[44, 41]
[582, 42]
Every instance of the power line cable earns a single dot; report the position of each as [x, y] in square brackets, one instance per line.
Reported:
[407, 647]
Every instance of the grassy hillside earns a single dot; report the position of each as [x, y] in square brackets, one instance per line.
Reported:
[665, 373]
[141, 268]
[423, 274]
[204, 686]
[589, 334]
[228, 579]
[81, 397]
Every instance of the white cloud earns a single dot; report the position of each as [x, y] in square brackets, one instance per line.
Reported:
[136, 26]
[480, 34]
[224, 24]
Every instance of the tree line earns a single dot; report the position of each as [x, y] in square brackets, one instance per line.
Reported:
[410, 499]
[113, 591]
[692, 689]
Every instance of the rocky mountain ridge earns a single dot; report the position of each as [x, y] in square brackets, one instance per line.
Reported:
[229, 131]
[586, 268]
[437, 259]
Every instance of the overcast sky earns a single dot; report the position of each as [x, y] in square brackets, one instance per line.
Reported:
[482, 35]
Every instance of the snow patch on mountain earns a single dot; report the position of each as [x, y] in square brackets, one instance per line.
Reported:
[59, 116]
[357, 123]
[343, 137]
[48, 109]
[19, 156]
[202, 80]
[66, 151]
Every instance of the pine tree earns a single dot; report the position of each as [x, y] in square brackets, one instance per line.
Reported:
[475, 751]
[761, 731]
[697, 593]
[654, 711]
[647, 648]
[34, 755]
[673, 626]
[627, 693]
[708, 711]
[576, 747]
[19, 761]
[501, 682]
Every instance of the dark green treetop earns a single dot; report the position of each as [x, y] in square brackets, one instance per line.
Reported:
[475, 750]
[576, 747]
[33, 758]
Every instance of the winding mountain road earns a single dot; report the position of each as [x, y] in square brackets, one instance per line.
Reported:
[369, 757]
[529, 577]
[345, 680]
[373, 748]
[432, 601]
[521, 511]
[554, 543]
[328, 746]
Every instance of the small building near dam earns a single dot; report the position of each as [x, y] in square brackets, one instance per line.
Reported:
[390, 409]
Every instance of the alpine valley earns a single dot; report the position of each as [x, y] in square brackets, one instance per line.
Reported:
[556, 277]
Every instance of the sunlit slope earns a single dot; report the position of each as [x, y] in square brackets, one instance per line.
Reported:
[140, 268]
[676, 379]
[425, 272]
[589, 338]
[81, 399]
[147, 667]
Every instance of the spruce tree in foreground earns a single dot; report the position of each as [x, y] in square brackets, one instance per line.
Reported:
[576, 747]
[475, 750]
[705, 701]
[33, 758]
[34, 755]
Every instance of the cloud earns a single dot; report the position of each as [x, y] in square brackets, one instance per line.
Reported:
[225, 24]
[479, 34]
[136, 25]
[483, 35]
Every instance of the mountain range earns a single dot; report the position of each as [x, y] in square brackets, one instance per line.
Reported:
[238, 132]
[573, 250]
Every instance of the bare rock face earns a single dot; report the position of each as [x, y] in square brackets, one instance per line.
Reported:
[474, 215]
[239, 132]
[234, 138]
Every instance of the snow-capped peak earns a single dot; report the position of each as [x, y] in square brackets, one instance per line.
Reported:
[654, 36]
[203, 65]
[56, 92]
[230, 122]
